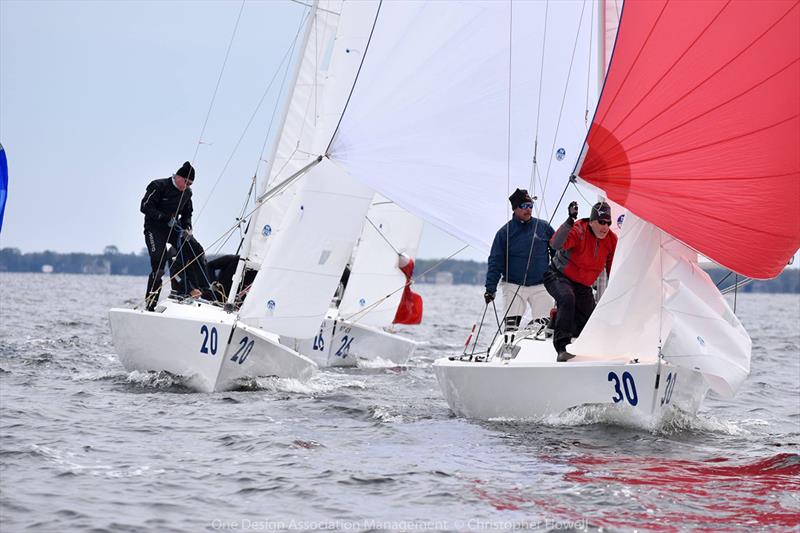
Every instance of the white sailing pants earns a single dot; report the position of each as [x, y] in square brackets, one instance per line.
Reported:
[535, 296]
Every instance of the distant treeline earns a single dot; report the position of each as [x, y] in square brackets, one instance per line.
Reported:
[426, 270]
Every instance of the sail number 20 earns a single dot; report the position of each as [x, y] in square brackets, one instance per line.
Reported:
[624, 389]
[209, 340]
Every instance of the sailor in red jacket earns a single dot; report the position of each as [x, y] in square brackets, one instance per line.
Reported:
[583, 249]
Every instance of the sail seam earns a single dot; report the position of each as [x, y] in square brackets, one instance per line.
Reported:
[709, 77]
[695, 148]
[600, 146]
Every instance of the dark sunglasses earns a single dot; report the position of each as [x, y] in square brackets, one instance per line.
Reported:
[526, 205]
[604, 222]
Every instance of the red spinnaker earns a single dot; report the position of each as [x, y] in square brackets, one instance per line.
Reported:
[698, 127]
[410, 309]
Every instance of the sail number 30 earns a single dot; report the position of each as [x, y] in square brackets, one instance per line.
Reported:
[624, 389]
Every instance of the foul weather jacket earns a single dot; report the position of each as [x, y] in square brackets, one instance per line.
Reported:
[515, 239]
[581, 256]
[162, 201]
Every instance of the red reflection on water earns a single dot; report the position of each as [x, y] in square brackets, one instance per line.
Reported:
[658, 494]
[698, 494]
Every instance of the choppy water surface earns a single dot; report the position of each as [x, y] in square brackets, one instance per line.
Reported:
[86, 445]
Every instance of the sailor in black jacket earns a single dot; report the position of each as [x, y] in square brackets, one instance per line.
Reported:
[167, 208]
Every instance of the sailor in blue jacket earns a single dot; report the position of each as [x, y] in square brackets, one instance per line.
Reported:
[520, 256]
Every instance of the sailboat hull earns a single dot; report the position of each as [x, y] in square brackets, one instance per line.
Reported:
[342, 343]
[527, 389]
[195, 341]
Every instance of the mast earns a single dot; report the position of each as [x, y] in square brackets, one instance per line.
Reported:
[237, 278]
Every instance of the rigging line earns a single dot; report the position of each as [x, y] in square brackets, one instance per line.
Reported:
[286, 55]
[369, 308]
[275, 109]
[266, 195]
[508, 128]
[208, 113]
[219, 80]
[384, 236]
[720, 282]
[570, 182]
[187, 265]
[534, 170]
[355, 81]
[564, 96]
[742, 283]
[589, 70]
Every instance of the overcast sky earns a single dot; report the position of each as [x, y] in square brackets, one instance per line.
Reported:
[97, 98]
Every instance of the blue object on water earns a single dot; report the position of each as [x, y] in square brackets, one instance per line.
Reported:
[3, 184]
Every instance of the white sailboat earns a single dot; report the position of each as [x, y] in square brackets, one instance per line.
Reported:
[215, 347]
[696, 135]
[309, 218]
[357, 328]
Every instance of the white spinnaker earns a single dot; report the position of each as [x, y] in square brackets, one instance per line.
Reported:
[428, 121]
[296, 282]
[657, 294]
[372, 294]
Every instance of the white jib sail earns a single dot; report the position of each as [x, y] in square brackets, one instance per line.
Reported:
[375, 286]
[658, 295]
[328, 65]
[438, 124]
[302, 267]
[294, 147]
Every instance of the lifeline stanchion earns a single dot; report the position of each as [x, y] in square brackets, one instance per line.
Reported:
[475, 344]
[469, 339]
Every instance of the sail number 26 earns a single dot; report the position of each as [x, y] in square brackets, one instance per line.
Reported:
[624, 389]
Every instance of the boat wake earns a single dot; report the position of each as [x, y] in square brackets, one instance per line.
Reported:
[319, 384]
[161, 380]
[672, 422]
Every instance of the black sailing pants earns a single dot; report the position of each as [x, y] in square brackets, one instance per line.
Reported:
[155, 239]
[574, 306]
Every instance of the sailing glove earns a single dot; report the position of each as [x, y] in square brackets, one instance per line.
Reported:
[488, 297]
[172, 222]
[573, 210]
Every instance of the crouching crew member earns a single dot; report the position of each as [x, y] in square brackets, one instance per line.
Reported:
[583, 249]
